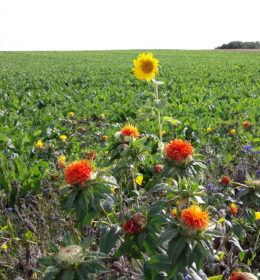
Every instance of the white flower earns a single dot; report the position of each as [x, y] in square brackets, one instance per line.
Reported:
[93, 175]
[118, 134]
[70, 255]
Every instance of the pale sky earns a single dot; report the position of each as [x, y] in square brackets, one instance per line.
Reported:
[126, 24]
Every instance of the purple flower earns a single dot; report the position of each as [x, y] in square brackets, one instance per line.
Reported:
[208, 160]
[10, 209]
[247, 148]
[241, 189]
[187, 277]
[30, 205]
[256, 152]
[257, 173]
[210, 187]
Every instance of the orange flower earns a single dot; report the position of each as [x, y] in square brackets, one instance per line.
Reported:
[242, 276]
[246, 124]
[225, 180]
[78, 172]
[233, 208]
[179, 150]
[130, 130]
[104, 138]
[195, 218]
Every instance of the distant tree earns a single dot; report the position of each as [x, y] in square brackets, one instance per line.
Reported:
[240, 45]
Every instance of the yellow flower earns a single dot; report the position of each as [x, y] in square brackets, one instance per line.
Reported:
[39, 144]
[174, 213]
[257, 215]
[139, 179]
[71, 114]
[209, 129]
[232, 131]
[145, 66]
[63, 137]
[61, 159]
[163, 132]
[4, 247]
[102, 116]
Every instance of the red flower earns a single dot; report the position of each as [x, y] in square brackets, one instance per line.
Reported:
[225, 180]
[179, 150]
[135, 224]
[195, 218]
[246, 124]
[157, 169]
[242, 276]
[92, 155]
[78, 172]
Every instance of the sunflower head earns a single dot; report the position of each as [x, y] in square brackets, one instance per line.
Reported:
[193, 217]
[146, 66]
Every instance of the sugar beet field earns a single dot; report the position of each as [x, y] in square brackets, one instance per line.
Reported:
[130, 165]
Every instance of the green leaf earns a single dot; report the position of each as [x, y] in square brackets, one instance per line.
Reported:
[171, 120]
[82, 273]
[169, 234]
[67, 275]
[176, 247]
[217, 277]
[108, 238]
[51, 273]
[47, 261]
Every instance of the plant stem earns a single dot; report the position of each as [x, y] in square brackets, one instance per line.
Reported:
[159, 118]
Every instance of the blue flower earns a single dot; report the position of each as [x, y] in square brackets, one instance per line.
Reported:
[257, 173]
[208, 160]
[210, 187]
[10, 209]
[247, 148]
[241, 189]
[256, 152]
[187, 277]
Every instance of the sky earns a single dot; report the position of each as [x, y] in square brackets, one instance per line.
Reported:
[126, 24]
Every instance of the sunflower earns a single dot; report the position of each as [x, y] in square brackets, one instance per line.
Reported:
[195, 218]
[130, 130]
[179, 150]
[145, 66]
[78, 172]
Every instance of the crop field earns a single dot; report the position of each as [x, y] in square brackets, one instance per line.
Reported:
[112, 173]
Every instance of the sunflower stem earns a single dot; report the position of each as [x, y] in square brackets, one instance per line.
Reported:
[156, 91]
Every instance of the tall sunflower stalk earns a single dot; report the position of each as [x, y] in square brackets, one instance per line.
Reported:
[146, 67]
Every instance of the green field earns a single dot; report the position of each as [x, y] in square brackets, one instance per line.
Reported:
[202, 89]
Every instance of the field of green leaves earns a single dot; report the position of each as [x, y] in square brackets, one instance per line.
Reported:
[127, 220]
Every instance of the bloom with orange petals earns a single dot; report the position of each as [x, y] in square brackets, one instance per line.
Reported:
[104, 138]
[233, 208]
[242, 276]
[246, 124]
[130, 130]
[225, 180]
[179, 150]
[195, 218]
[78, 172]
